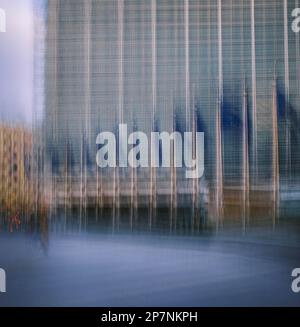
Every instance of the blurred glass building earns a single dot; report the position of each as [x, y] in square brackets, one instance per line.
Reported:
[231, 68]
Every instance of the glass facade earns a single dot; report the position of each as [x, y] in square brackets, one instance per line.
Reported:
[147, 63]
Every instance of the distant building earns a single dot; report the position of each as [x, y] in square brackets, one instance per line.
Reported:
[16, 175]
[229, 68]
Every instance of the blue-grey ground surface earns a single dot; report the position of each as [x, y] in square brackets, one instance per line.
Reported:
[146, 270]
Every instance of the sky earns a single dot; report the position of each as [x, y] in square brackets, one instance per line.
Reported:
[16, 62]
